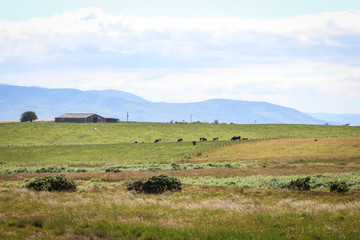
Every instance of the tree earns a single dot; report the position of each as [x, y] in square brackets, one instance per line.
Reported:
[28, 116]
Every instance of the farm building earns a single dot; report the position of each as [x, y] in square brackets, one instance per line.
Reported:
[111, 120]
[84, 118]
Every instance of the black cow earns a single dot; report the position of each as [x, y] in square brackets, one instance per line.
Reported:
[194, 143]
[179, 140]
[203, 140]
[215, 138]
[157, 140]
[136, 142]
[236, 138]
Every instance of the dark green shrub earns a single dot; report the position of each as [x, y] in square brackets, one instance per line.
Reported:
[48, 183]
[135, 186]
[21, 170]
[161, 183]
[61, 183]
[154, 168]
[51, 170]
[175, 166]
[300, 184]
[155, 184]
[40, 184]
[113, 169]
[339, 187]
[228, 165]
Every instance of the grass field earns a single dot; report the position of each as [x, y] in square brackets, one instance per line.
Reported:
[231, 190]
[50, 133]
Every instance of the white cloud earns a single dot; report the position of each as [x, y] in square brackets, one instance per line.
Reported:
[92, 29]
[189, 59]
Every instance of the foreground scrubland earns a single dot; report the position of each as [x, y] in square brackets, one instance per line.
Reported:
[231, 190]
[106, 211]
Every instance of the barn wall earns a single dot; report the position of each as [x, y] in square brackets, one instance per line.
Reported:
[111, 120]
[91, 119]
[70, 120]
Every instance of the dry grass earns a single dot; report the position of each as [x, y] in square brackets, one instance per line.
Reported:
[277, 150]
[200, 212]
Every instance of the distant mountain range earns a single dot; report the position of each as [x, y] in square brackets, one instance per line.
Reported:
[49, 103]
[338, 119]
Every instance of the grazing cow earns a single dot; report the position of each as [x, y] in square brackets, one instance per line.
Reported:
[203, 140]
[215, 138]
[245, 139]
[136, 142]
[157, 140]
[194, 143]
[236, 138]
[179, 140]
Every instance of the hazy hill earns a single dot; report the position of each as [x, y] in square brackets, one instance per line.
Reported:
[339, 119]
[117, 94]
[49, 103]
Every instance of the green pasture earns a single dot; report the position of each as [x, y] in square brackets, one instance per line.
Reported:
[50, 133]
[103, 154]
[231, 190]
[49, 143]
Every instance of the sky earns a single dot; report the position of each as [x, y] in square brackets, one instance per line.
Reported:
[299, 54]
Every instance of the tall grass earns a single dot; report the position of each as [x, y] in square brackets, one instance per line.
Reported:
[196, 213]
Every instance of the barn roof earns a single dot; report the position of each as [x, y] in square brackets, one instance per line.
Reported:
[77, 115]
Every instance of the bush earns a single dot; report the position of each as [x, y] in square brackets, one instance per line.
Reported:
[161, 183]
[300, 184]
[51, 170]
[113, 169]
[48, 183]
[174, 166]
[21, 170]
[135, 186]
[339, 187]
[155, 184]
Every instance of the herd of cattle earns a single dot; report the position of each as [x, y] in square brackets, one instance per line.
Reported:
[202, 139]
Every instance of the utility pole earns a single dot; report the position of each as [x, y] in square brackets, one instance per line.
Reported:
[127, 116]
